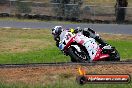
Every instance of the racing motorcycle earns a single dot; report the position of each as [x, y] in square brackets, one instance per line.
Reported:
[84, 49]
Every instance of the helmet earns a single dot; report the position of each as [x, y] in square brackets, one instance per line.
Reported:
[78, 29]
[57, 30]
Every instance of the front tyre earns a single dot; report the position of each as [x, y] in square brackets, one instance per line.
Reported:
[74, 58]
[77, 56]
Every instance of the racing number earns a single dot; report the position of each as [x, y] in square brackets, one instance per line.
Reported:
[68, 36]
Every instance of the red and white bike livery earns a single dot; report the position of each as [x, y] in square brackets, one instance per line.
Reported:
[83, 49]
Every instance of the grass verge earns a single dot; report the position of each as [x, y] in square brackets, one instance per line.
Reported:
[38, 46]
[66, 84]
[33, 20]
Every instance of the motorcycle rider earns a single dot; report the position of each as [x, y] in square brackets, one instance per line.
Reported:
[88, 32]
[58, 33]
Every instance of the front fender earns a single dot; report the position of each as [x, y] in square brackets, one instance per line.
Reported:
[76, 47]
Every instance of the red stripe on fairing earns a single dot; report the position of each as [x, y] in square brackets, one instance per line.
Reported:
[69, 43]
[81, 42]
[100, 56]
[104, 56]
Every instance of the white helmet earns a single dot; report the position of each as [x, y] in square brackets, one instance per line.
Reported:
[57, 30]
[78, 29]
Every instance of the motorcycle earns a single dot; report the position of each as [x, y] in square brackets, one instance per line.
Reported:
[84, 49]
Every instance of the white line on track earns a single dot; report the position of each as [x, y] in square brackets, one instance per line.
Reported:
[11, 27]
[6, 27]
[26, 28]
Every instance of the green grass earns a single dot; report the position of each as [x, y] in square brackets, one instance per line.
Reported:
[37, 46]
[73, 84]
[124, 48]
[38, 56]
[52, 54]
[68, 83]
[33, 20]
[17, 19]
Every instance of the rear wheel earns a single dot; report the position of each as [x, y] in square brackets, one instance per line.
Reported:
[114, 55]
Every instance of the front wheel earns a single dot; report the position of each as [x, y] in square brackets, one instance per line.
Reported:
[78, 56]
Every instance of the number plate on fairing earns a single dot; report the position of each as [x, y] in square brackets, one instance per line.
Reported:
[66, 38]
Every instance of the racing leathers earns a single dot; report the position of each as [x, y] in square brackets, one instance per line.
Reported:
[88, 32]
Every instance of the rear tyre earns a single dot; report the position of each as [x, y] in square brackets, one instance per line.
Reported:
[114, 56]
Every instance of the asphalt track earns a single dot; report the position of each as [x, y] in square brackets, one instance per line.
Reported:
[103, 28]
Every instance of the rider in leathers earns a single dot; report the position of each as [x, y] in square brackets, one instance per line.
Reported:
[88, 32]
